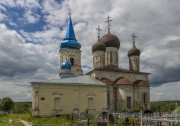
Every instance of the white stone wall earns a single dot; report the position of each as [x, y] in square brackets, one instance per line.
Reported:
[72, 53]
[98, 59]
[115, 75]
[111, 56]
[134, 63]
[73, 98]
[35, 99]
[125, 90]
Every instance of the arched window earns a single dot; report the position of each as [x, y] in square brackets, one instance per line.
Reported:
[72, 61]
[111, 58]
[144, 98]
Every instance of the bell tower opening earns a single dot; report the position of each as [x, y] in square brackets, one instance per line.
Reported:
[72, 61]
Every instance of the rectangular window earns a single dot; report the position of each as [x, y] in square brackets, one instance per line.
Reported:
[90, 103]
[42, 98]
[128, 102]
[144, 98]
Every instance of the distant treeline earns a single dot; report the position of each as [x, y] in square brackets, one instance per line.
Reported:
[22, 107]
[164, 106]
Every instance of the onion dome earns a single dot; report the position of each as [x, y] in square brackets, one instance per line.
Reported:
[134, 51]
[66, 65]
[70, 40]
[111, 40]
[98, 46]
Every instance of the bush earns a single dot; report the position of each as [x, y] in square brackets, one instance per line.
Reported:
[7, 104]
[21, 108]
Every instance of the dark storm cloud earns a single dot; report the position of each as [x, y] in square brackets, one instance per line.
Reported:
[158, 29]
[164, 62]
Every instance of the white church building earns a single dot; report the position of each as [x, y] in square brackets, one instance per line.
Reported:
[105, 88]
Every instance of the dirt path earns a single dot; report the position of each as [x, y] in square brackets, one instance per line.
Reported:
[25, 123]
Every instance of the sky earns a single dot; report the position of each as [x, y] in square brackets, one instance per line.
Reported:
[31, 32]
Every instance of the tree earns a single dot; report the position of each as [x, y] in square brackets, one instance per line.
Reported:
[0, 105]
[138, 108]
[7, 104]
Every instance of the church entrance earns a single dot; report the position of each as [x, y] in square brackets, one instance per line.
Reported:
[57, 106]
[57, 103]
[90, 103]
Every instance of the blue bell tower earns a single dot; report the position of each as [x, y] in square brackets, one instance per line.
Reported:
[70, 50]
[70, 40]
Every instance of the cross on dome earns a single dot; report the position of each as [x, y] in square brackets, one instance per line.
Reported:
[69, 11]
[133, 37]
[108, 23]
[98, 31]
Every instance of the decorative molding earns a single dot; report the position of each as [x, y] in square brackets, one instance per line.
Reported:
[91, 95]
[57, 94]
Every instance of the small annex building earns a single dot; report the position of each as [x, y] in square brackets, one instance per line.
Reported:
[69, 95]
[107, 87]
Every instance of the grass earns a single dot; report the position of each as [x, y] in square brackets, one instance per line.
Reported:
[8, 120]
[14, 120]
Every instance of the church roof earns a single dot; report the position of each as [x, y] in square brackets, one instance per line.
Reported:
[110, 40]
[134, 51]
[85, 80]
[98, 46]
[70, 30]
[123, 81]
[116, 69]
[70, 39]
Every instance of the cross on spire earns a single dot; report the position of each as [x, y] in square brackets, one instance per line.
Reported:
[108, 22]
[133, 37]
[98, 31]
[69, 11]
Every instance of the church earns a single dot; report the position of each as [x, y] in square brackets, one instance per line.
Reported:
[105, 88]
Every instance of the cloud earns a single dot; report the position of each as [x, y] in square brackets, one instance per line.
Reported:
[164, 69]
[17, 90]
[167, 91]
[34, 54]
[19, 59]
[23, 62]
[31, 18]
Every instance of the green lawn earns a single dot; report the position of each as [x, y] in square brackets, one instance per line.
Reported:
[14, 120]
[10, 120]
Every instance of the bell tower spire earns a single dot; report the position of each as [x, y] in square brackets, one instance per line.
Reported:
[70, 30]
[70, 50]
